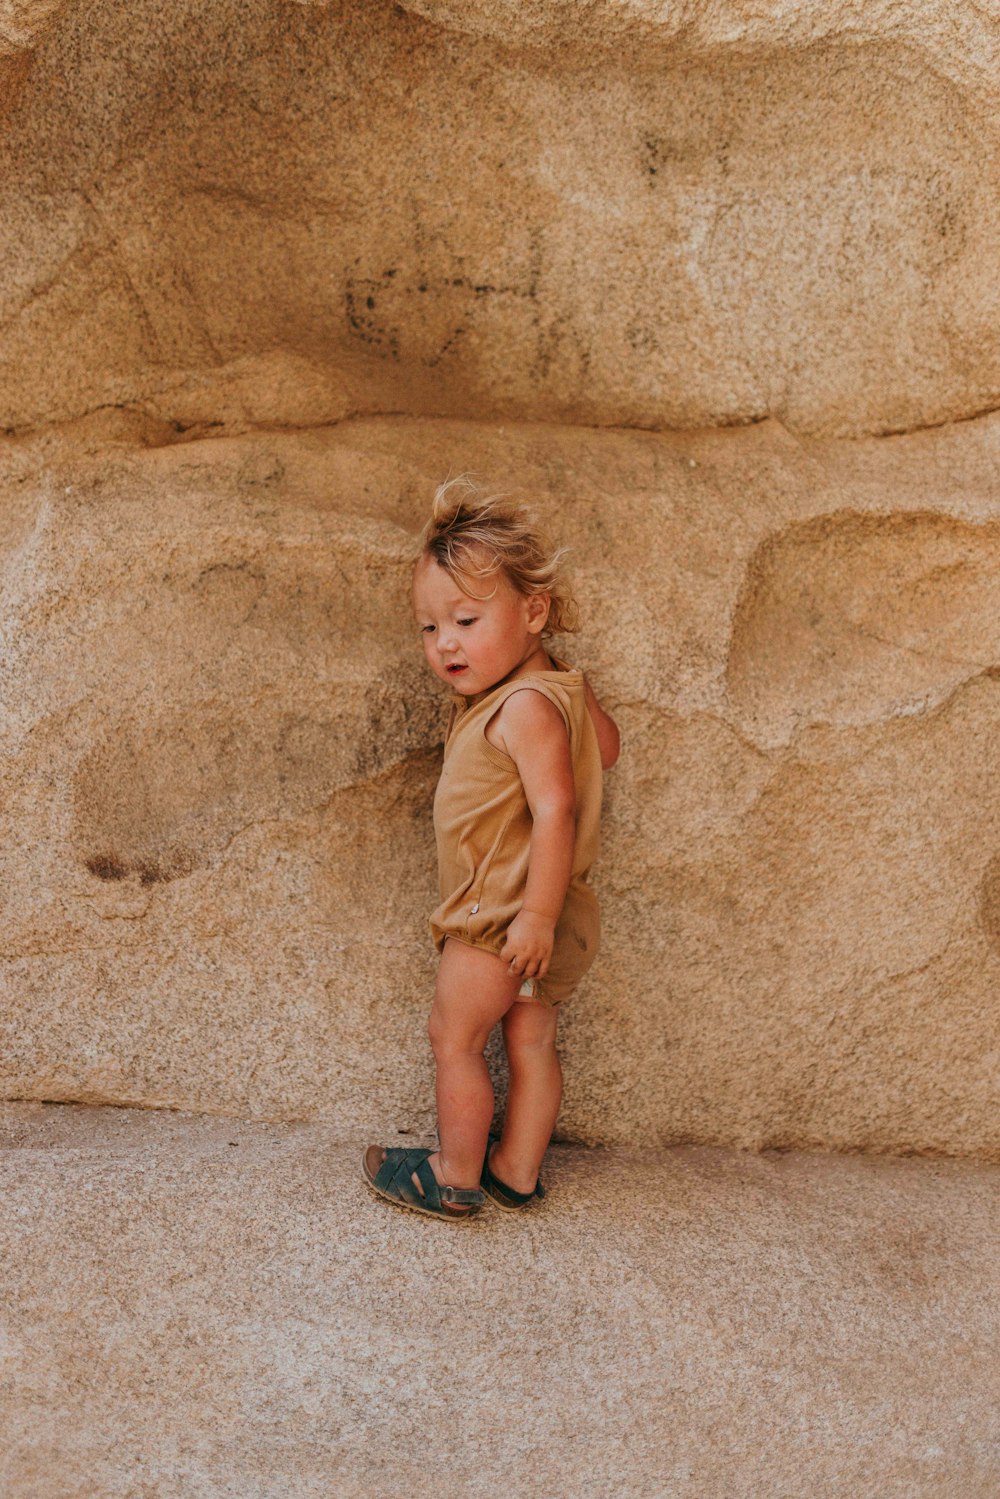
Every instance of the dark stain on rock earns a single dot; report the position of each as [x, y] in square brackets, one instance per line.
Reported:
[656, 155]
[261, 469]
[378, 306]
[660, 153]
[453, 336]
[364, 321]
[107, 867]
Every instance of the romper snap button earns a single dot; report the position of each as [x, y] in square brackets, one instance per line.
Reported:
[474, 909]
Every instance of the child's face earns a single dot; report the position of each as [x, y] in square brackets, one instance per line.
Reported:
[474, 643]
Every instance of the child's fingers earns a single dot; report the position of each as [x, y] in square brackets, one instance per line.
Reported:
[525, 963]
[520, 965]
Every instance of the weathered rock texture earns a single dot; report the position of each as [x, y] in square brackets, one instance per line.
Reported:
[273, 271]
[213, 1308]
[613, 214]
[220, 745]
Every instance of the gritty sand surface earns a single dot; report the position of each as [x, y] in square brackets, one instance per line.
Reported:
[196, 1306]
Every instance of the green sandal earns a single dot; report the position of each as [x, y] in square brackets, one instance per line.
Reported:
[394, 1181]
[497, 1191]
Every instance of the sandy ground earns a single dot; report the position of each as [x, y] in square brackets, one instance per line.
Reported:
[198, 1307]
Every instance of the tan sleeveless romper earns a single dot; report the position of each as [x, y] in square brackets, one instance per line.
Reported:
[482, 824]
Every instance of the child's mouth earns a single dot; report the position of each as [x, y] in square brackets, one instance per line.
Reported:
[454, 670]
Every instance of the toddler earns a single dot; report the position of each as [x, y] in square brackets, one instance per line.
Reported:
[516, 819]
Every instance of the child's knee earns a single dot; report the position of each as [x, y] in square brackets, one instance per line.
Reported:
[449, 1036]
[437, 1030]
[529, 1029]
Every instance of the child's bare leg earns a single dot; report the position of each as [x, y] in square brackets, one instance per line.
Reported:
[474, 990]
[534, 1096]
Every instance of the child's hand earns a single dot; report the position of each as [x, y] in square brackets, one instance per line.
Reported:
[528, 945]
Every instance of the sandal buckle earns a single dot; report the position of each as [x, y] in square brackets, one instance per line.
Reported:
[459, 1195]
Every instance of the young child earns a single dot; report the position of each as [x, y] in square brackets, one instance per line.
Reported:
[516, 819]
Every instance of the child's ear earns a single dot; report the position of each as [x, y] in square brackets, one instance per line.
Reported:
[538, 611]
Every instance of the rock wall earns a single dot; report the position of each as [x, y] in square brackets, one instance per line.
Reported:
[630, 215]
[277, 269]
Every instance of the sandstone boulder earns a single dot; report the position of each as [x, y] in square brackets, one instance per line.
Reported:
[608, 215]
[220, 745]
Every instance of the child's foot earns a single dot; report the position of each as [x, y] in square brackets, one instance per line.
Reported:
[508, 1174]
[428, 1190]
[504, 1193]
[433, 1161]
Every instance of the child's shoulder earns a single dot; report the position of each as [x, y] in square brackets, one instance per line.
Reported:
[525, 721]
[532, 709]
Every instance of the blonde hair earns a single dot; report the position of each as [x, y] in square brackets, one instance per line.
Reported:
[470, 533]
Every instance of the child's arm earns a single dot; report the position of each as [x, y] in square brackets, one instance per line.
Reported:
[607, 730]
[535, 737]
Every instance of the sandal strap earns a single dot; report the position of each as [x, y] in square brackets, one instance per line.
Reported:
[395, 1175]
[435, 1193]
[515, 1198]
[461, 1195]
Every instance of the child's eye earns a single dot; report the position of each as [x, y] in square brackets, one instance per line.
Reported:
[424, 629]
[467, 621]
